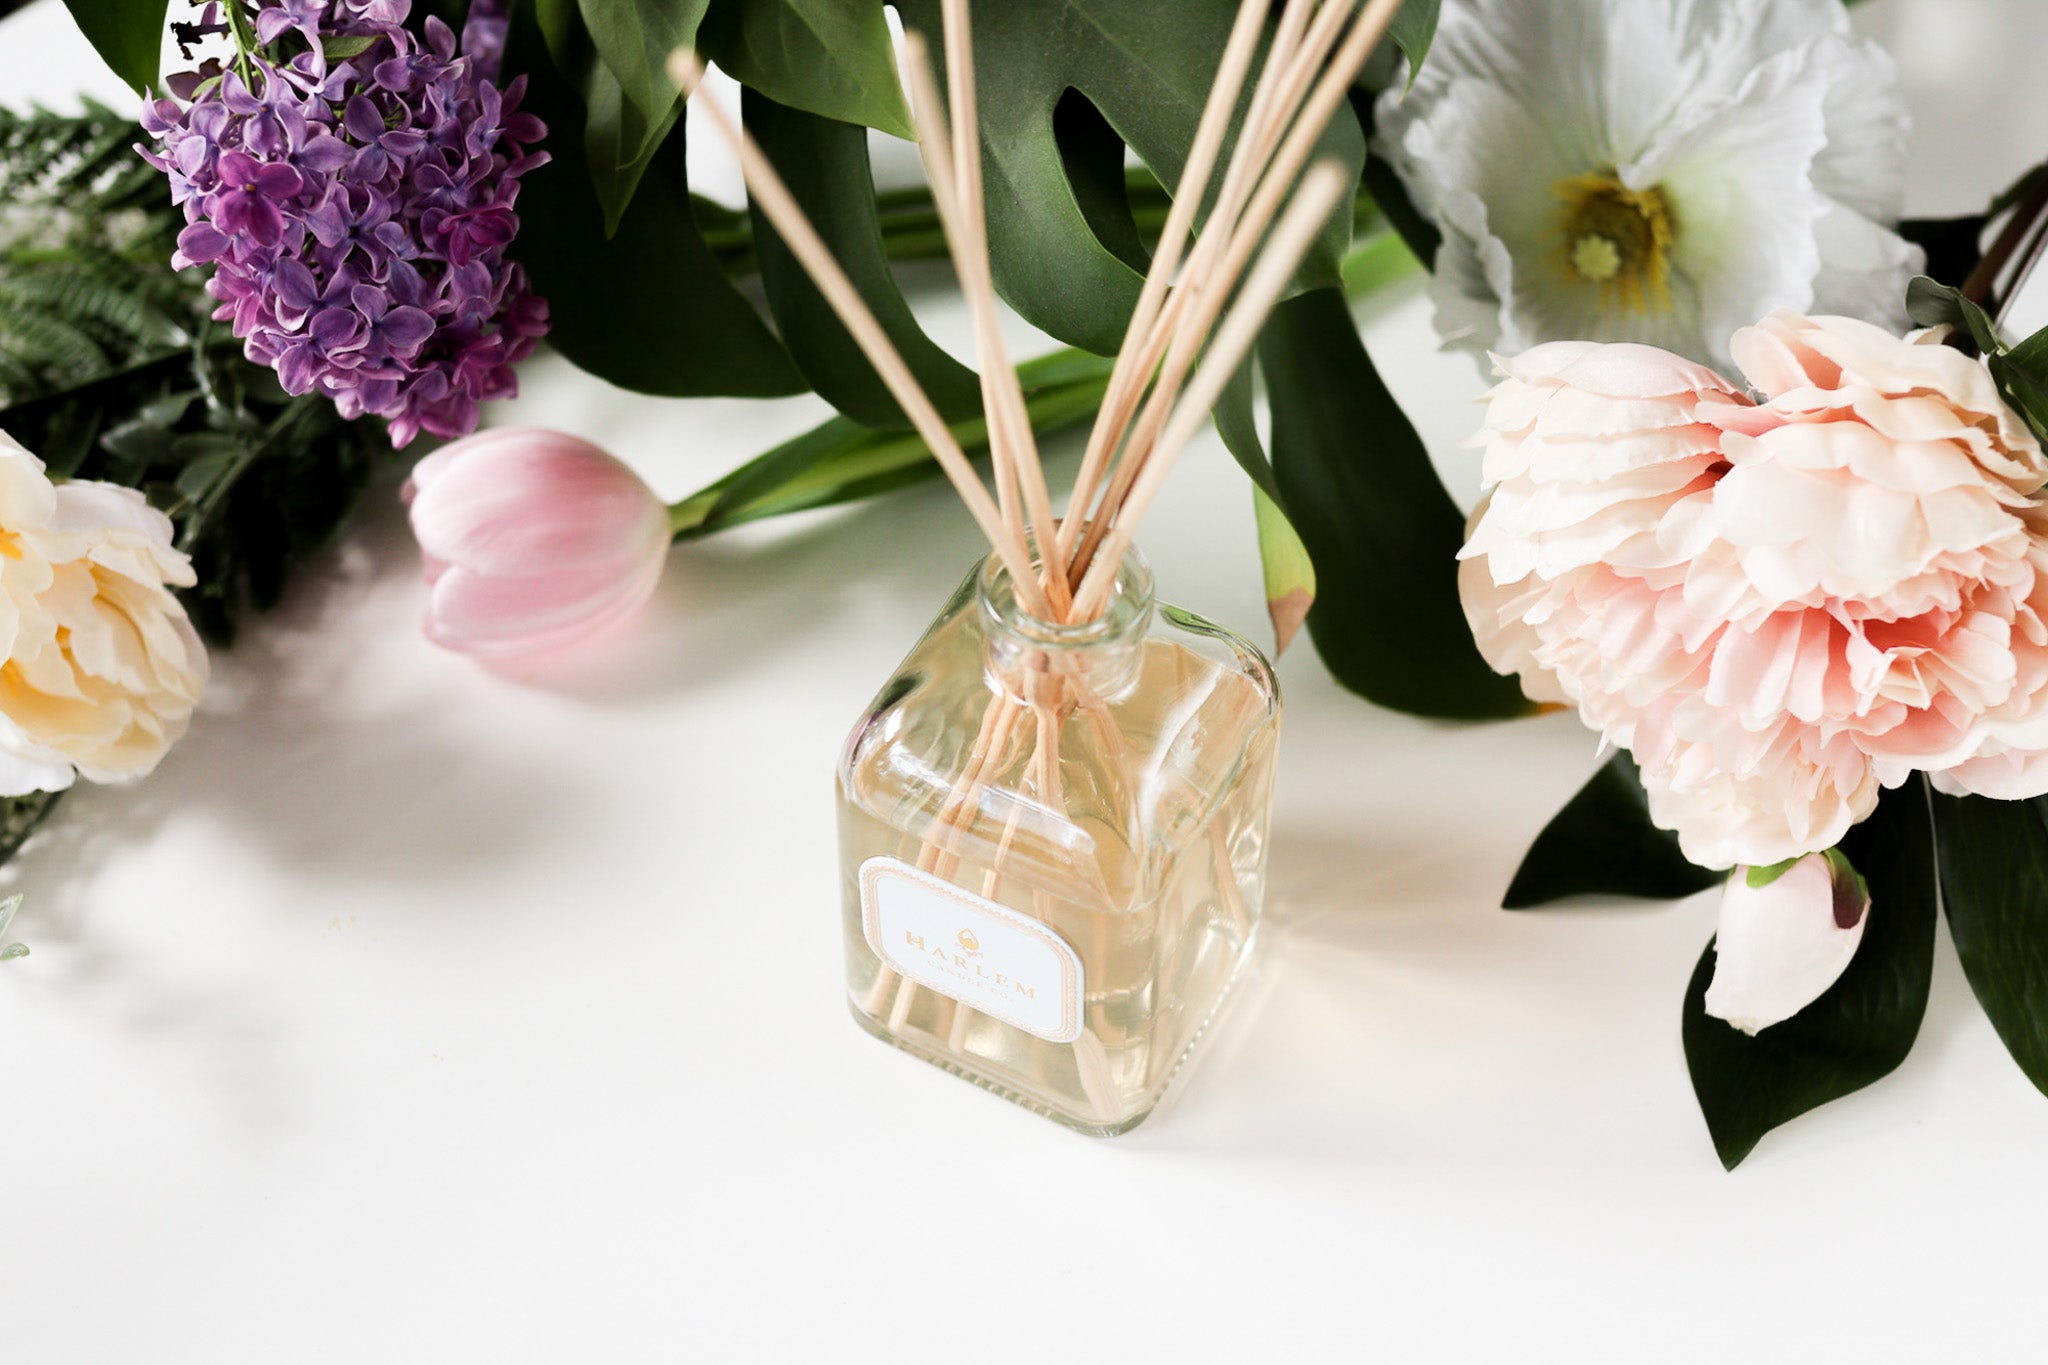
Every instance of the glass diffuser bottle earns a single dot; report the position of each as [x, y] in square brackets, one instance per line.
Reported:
[1053, 818]
[1053, 845]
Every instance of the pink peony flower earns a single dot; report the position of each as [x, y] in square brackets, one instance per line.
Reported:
[532, 539]
[1781, 605]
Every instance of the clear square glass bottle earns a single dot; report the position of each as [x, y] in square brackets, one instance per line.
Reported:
[1053, 845]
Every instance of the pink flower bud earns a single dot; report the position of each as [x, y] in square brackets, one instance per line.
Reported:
[532, 539]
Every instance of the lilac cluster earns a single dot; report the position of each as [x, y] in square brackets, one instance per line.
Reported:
[356, 210]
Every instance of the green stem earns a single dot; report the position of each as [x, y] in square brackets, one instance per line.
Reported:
[245, 40]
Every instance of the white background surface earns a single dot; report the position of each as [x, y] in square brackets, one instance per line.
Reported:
[417, 1012]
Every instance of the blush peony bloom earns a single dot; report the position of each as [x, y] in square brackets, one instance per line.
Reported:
[102, 667]
[1779, 605]
[1658, 171]
[532, 539]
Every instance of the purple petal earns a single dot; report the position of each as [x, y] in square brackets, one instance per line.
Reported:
[327, 224]
[238, 168]
[362, 120]
[295, 286]
[296, 369]
[371, 303]
[405, 330]
[335, 328]
[202, 242]
[278, 181]
[324, 154]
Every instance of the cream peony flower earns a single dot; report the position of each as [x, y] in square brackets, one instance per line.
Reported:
[102, 667]
[1659, 171]
[1779, 606]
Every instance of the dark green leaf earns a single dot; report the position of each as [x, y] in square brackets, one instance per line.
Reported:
[1860, 1028]
[634, 38]
[825, 164]
[833, 58]
[1933, 304]
[648, 309]
[19, 817]
[128, 35]
[1603, 843]
[617, 143]
[344, 46]
[1384, 536]
[1147, 69]
[1414, 28]
[1994, 882]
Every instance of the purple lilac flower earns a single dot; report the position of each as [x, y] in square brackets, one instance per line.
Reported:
[356, 213]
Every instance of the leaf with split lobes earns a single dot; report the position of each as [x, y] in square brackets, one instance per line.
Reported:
[1147, 75]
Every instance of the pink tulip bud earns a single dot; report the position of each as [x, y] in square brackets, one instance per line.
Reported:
[532, 539]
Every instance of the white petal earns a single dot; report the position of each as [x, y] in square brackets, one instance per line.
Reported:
[1737, 177]
[1779, 947]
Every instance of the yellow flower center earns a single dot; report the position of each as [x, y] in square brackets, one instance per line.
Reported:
[1617, 238]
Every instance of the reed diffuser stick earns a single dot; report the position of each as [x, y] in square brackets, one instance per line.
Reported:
[1129, 374]
[789, 220]
[1320, 190]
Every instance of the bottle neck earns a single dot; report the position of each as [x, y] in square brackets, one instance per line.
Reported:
[1040, 662]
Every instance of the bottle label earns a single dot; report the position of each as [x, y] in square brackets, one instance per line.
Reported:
[968, 948]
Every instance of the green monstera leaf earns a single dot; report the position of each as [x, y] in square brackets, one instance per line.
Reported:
[1057, 79]
[832, 58]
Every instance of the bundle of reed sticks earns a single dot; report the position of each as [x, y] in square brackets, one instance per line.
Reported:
[1259, 222]
[1198, 313]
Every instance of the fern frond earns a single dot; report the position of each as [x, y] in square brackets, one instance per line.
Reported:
[86, 234]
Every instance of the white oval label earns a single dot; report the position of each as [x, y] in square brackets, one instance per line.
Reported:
[968, 948]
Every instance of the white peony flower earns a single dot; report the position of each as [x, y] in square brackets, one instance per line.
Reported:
[1658, 171]
[102, 669]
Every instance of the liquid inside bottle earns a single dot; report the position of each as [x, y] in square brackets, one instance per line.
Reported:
[1053, 846]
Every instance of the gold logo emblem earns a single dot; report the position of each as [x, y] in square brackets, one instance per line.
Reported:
[967, 940]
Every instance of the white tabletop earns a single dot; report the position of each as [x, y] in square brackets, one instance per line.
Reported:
[413, 1011]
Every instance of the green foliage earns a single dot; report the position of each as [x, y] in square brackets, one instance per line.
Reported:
[1357, 484]
[634, 39]
[1603, 843]
[1994, 885]
[1860, 1028]
[650, 309]
[128, 35]
[1414, 29]
[833, 58]
[1132, 72]
[825, 163]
